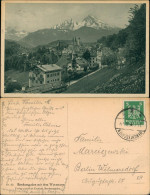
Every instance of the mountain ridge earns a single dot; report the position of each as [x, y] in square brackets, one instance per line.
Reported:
[14, 34]
[90, 29]
[44, 36]
[88, 21]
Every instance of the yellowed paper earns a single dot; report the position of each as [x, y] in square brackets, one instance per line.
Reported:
[73, 146]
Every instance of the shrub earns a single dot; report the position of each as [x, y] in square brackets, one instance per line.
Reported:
[12, 86]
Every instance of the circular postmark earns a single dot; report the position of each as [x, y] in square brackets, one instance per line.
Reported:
[132, 128]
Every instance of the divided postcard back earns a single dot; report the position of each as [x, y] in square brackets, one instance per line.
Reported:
[75, 146]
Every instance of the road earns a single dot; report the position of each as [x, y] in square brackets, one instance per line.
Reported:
[89, 82]
[75, 81]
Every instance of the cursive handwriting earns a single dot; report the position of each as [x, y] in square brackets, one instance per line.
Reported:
[83, 138]
[100, 151]
[105, 168]
[34, 146]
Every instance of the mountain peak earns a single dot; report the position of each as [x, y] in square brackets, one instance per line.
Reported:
[94, 22]
[88, 21]
[66, 25]
[90, 17]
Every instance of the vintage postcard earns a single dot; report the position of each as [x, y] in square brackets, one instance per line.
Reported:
[75, 49]
[75, 146]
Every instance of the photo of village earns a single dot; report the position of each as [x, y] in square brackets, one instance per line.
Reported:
[75, 48]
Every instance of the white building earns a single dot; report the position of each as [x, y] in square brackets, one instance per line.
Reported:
[45, 74]
[69, 67]
[99, 58]
[93, 60]
[96, 58]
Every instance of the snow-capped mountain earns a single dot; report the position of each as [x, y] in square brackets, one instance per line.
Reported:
[89, 21]
[93, 22]
[66, 25]
[15, 35]
[90, 29]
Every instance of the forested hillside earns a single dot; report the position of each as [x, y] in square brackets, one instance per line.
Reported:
[131, 39]
[20, 58]
[15, 56]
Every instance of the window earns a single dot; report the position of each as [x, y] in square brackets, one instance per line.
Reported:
[40, 82]
[47, 81]
[47, 75]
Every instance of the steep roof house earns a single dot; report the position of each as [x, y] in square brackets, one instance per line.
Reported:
[48, 74]
[63, 63]
[81, 64]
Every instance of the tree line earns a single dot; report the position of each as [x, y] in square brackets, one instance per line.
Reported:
[132, 40]
[20, 58]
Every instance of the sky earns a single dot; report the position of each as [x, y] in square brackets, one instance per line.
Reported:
[34, 16]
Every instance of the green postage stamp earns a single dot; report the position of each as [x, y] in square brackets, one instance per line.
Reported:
[134, 113]
[130, 122]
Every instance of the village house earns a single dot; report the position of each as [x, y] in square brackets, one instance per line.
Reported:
[99, 57]
[45, 74]
[82, 64]
[66, 51]
[93, 59]
[63, 63]
[69, 67]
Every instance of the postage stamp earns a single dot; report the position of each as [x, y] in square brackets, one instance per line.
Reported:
[133, 113]
[130, 123]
